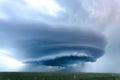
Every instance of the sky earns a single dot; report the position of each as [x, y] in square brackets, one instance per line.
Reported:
[60, 35]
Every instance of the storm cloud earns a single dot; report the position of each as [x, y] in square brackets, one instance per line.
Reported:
[43, 44]
[65, 34]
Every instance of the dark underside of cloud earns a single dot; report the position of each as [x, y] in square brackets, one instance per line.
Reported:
[73, 55]
[61, 61]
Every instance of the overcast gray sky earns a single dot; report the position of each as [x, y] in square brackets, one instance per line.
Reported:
[19, 17]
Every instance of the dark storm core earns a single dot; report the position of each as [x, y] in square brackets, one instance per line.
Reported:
[42, 44]
[70, 57]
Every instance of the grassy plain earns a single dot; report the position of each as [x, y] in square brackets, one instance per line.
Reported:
[57, 76]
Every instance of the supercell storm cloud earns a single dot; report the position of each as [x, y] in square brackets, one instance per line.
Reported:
[46, 45]
[62, 46]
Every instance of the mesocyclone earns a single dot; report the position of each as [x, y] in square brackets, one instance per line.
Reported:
[63, 46]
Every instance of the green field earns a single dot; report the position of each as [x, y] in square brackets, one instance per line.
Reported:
[57, 76]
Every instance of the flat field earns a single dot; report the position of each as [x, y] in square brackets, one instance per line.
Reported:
[57, 76]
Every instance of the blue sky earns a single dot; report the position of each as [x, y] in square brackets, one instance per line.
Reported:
[30, 19]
